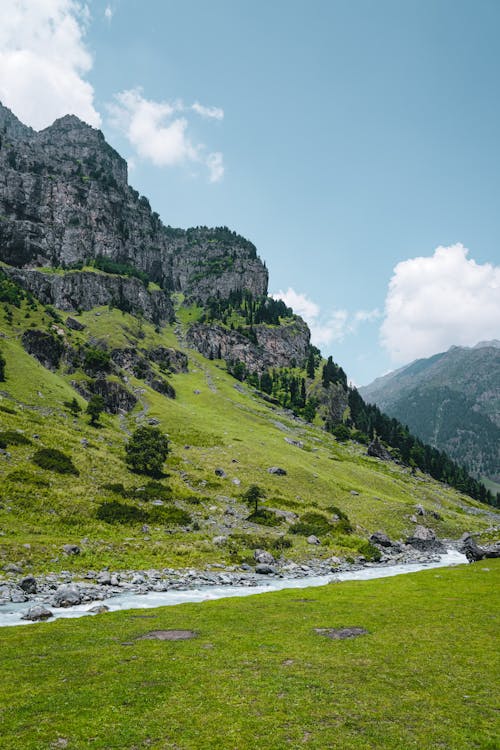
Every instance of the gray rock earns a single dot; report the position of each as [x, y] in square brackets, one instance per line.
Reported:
[353, 492]
[313, 539]
[104, 578]
[220, 473]
[67, 596]
[236, 481]
[278, 471]
[424, 539]
[218, 540]
[37, 612]
[381, 539]
[264, 569]
[420, 510]
[28, 584]
[263, 556]
[13, 568]
[17, 595]
[71, 549]
[377, 450]
[74, 324]
[99, 609]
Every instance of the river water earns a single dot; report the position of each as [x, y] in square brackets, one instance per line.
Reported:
[10, 614]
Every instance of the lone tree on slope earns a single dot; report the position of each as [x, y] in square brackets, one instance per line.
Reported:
[146, 451]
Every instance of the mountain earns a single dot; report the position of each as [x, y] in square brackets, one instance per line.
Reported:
[452, 401]
[112, 323]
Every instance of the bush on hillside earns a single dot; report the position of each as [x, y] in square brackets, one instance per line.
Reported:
[11, 437]
[52, 459]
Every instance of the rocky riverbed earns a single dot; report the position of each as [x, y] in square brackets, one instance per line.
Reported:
[32, 598]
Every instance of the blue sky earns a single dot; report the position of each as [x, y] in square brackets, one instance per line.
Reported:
[347, 140]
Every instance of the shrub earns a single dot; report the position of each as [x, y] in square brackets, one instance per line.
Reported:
[281, 543]
[115, 512]
[154, 491]
[312, 524]
[52, 459]
[11, 437]
[169, 516]
[264, 517]
[96, 360]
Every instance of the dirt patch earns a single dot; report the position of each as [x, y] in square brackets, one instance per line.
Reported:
[340, 634]
[168, 635]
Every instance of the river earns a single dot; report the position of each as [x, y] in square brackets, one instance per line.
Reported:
[10, 614]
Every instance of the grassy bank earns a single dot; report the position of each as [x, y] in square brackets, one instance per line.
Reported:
[257, 674]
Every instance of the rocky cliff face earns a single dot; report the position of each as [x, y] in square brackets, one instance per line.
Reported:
[281, 346]
[83, 290]
[65, 200]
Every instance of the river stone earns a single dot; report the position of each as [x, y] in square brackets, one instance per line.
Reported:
[37, 612]
[18, 596]
[264, 569]
[99, 609]
[264, 557]
[28, 584]
[67, 596]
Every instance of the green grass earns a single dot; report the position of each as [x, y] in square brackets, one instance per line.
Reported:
[257, 675]
[222, 426]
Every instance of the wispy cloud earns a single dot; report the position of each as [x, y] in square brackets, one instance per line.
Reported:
[215, 113]
[159, 132]
[326, 326]
[108, 13]
[435, 302]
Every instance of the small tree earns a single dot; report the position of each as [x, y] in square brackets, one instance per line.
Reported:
[73, 406]
[253, 495]
[146, 451]
[95, 407]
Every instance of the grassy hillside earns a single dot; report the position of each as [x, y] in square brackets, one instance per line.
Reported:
[257, 674]
[213, 423]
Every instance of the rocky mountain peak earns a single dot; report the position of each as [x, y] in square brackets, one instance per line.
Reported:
[10, 126]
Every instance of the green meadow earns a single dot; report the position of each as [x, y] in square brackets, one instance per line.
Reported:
[258, 675]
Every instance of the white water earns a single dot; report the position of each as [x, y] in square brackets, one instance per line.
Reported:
[10, 614]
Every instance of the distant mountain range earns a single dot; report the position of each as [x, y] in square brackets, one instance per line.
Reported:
[451, 401]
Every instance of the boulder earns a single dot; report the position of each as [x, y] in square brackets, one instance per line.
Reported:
[220, 473]
[37, 612]
[277, 470]
[67, 596]
[264, 557]
[474, 552]
[71, 549]
[424, 539]
[381, 539]
[377, 450]
[74, 324]
[265, 570]
[28, 584]
[313, 539]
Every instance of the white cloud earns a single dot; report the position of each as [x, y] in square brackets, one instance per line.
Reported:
[215, 113]
[159, 132]
[435, 302]
[108, 13]
[43, 61]
[326, 327]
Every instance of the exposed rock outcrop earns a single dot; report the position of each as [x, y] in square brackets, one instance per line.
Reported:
[474, 552]
[116, 397]
[277, 346]
[45, 347]
[377, 450]
[83, 290]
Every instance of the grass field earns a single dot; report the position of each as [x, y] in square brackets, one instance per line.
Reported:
[257, 675]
